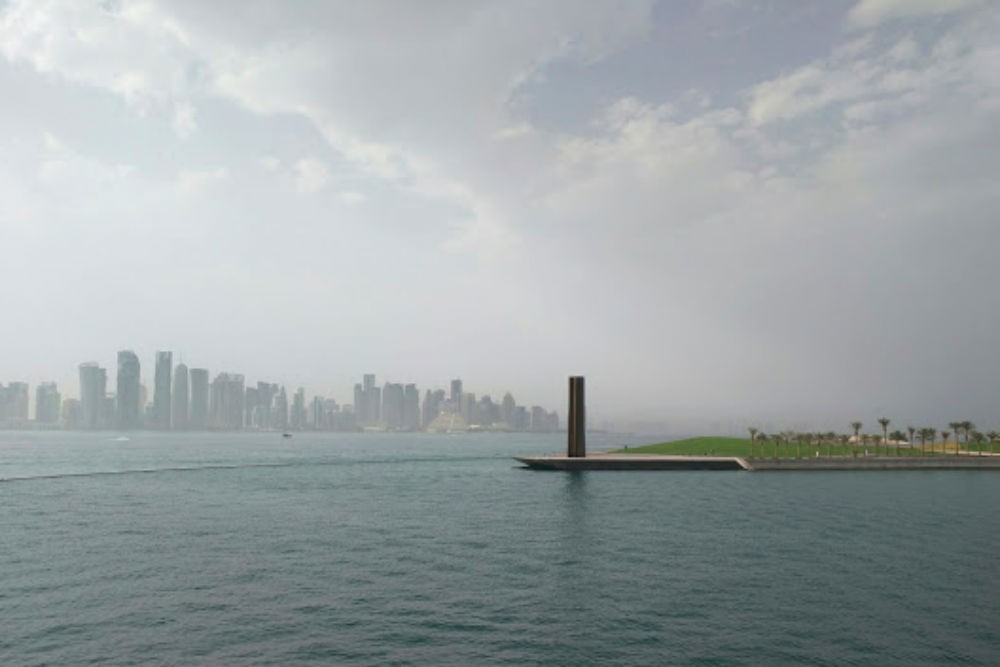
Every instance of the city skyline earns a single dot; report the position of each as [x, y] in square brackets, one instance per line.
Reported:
[186, 399]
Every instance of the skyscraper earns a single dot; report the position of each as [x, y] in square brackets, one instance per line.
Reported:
[297, 418]
[227, 401]
[14, 404]
[392, 405]
[432, 405]
[367, 401]
[180, 397]
[411, 408]
[93, 387]
[161, 389]
[507, 407]
[199, 398]
[373, 400]
[48, 403]
[456, 395]
[127, 407]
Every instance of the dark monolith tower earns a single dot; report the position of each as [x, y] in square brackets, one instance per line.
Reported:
[577, 425]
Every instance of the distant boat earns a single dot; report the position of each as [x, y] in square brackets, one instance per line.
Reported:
[122, 439]
[286, 435]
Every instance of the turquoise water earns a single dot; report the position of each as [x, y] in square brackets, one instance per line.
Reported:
[428, 550]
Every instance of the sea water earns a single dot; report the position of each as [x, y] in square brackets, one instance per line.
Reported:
[412, 549]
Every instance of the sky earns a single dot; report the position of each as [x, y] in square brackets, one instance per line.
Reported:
[718, 210]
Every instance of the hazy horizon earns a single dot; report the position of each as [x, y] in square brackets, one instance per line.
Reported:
[715, 211]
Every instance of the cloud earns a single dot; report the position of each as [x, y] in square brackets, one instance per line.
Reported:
[352, 198]
[695, 246]
[196, 181]
[184, 120]
[871, 76]
[135, 51]
[871, 13]
[311, 175]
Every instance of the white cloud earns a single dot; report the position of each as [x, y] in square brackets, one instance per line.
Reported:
[184, 120]
[735, 217]
[196, 181]
[870, 13]
[311, 175]
[352, 198]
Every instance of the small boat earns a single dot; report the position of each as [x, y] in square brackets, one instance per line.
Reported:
[286, 435]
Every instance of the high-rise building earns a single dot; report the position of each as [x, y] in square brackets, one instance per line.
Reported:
[318, 413]
[468, 408]
[360, 404]
[488, 411]
[14, 404]
[226, 402]
[161, 389]
[392, 405]
[260, 414]
[456, 395]
[199, 398]
[127, 407]
[297, 417]
[279, 415]
[93, 387]
[180, 399]
[368, 401]
[373, 400]
[72, 413]
[48, 403]
[433, 402]
[507, 407]
[375, 405]
[411, 408]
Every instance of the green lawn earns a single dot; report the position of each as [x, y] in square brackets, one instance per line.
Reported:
[717, 446]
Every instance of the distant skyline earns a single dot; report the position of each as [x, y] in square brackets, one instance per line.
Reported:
[720, 210]
[232, 402]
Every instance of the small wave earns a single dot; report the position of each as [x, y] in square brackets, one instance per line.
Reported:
[145, 471]
[242, 466]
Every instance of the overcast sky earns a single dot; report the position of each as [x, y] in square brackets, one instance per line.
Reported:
[721, 209]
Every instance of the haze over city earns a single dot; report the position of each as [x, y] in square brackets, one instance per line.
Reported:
[712, 210]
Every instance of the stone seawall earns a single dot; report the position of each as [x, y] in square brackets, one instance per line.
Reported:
[879, 463]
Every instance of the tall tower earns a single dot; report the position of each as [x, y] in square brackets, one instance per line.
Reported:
[47, 403]
[456, 395]
[199, 398]
[180, 397]
[161, 389]
[411, 407]
[93, 387]
[127, 408]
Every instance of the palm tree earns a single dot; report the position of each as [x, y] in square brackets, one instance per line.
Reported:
[884, 423]
[968, 427]
[944, 436]
[911, 431]
[753, 434]
[932, 434]
[899, 438]
[979, 439]
[956, 428]
[857, 427]
[994, 436]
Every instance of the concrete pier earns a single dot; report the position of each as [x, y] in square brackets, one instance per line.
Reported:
[603, 461]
